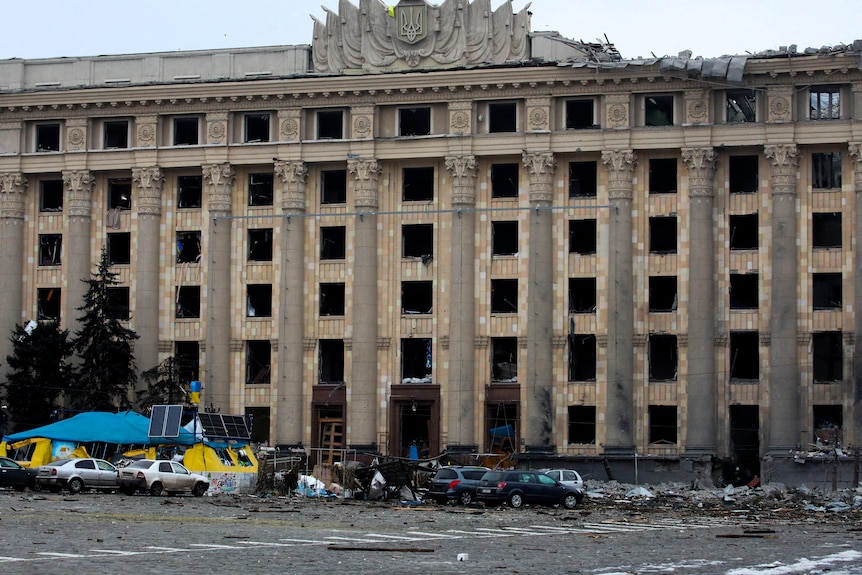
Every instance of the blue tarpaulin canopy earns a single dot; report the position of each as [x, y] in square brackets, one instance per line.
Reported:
[126, 428]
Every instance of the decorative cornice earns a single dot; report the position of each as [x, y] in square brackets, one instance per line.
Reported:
[150, 182]
[293, 176]
[13, 188]
[540, 168]
[218, 180]
[619, 164]
[365, 173]
[78, 185]
[463, 171]
[701, 171]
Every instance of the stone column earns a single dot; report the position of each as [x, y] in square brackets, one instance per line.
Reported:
[78, 187]
[856, 155]
[218, 182]
[13, 190]
[462, 304]
[619, 413]
[539, 376]
[700, 381]
[783, 417]
[362, 389]
[289, 405]
[149, 183]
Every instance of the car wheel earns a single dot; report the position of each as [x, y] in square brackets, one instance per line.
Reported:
[570, 501]
[516, 500]
[75, 485]
[35, 485]
[466, 498]
[156, 488]
[200, 489]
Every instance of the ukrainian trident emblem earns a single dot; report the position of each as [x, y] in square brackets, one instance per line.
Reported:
[411, 22]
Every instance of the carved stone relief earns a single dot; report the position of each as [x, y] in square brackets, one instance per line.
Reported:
[13, 187]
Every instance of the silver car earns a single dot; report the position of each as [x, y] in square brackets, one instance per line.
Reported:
[161, 476]
[568, 477]
[78, 474]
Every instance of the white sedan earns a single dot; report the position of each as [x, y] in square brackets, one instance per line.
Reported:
[567, 477]
[158, 476]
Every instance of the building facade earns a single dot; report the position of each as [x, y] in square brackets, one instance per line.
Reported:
[480, 239]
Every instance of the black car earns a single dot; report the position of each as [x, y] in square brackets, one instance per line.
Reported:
[519, 487]
[455, 484]
[14, 475]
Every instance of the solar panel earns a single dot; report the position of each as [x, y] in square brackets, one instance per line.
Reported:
[165, 421]
[216, 425]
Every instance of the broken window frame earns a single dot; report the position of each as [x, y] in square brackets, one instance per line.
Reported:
[744, 356]
[118, 303]
[658, 110]
[261, 189]
[827, 291]
[826, 230]
[824, 103]
[330, 361]
[659, 238]
[581, 425]
[582, 295]
[258, 362]
[744, 232]
[329, 124]
[414, 121]
[49, 303]
[115, 134]
[504, 359]
[827, 357]
[504, 238]
[333, 243]
[663, 294]
[828, 424]
[740, 106]
[333, 187]
[417, 297]
[417, 184]
[51, 195]
[256, 127]
[739, 291]
[417, 241]
[416, 360]
[826, 170]
[583, 357]
[190, 192]
[258, 300]
[186, 131]
[260, 245]
[188, 246]
[505, 180]
[47, 137]
[663, 176]
[119, 248]
[120, 194]
[663, 425]
[581, 114]
[50, 249]
[583, 237]
[583, 179]
[332, 299]
[504, 296]
[743, 174]
[663, 344]
[188, 302]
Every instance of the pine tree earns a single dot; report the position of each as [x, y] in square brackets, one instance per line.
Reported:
[39, 373]
[163, 386]
[106, 374]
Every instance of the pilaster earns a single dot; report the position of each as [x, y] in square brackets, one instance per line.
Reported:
[13, 192]
[365, 173]
[293, 176]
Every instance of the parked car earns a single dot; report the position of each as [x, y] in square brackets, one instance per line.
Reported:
[158, 476]
[16, 476]
[568, 477]
[519, 487]
[78, 474]
[455, 484]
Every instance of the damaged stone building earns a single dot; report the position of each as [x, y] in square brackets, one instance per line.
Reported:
[435, 225]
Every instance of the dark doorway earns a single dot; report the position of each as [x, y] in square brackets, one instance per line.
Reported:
[415, 428]
[744, 464]
[259, 417]
[502, 427]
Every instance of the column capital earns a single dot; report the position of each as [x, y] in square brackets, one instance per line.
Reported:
[701, 171]
[293, 176]
[150, 183]
[463, 171]
[218, 181]
[78, 185]
[619, 164]
[540, 168]
[784, 159]
[365, 173]
[13, 187]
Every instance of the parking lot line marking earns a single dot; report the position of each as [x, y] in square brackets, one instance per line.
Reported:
[476, 535]
[64, 555]
[439, 535]
[213, 546]
[560, 530]
[167, 549]
[11, 559]
[266, 544]
[305, 541]
[353, 539]
[117, 552]
[397, 537]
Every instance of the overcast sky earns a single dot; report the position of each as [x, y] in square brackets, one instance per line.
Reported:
[52, 28]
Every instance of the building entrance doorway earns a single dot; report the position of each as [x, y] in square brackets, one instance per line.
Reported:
[744, 463]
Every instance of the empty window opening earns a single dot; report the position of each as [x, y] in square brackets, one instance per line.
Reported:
[504, 359]
[744, 232]
[256, 128]
[48, 302]
[189, 191]
[826, 288]
[744, 355]
[50, 249]
[744, 291]
[658, 111]
[260, 189]
[331, 361]
[120, 194]
[118, 303]
[504, 296]
[51, 196]
[582, 357]
[332, 299]
[47, 137]
[258, 361]
[662, 293]
[119, 245]
[662, 176]
[416, 360]
[417, 241]
[502, 117]
[116, 134]
[414, 121]
[662, 235]
[826, 171]
[582, 295]
[583, 179]
[188, 301]
[185, 131]
[333, 187]
[260, 245]
[662, 424]
[259, 300]
[504, 238]
[743, 174]
[582, 424]
[824, 103]
[580, 114]
[582, 237]
[826, 230]
[333, 242]
[417, 297]
[504, 180]
[828, 423]
[187, 360]
[827, 356]
[188, 247]
[663, 356]
[330, 125]
[741, 106]
[418, 184]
